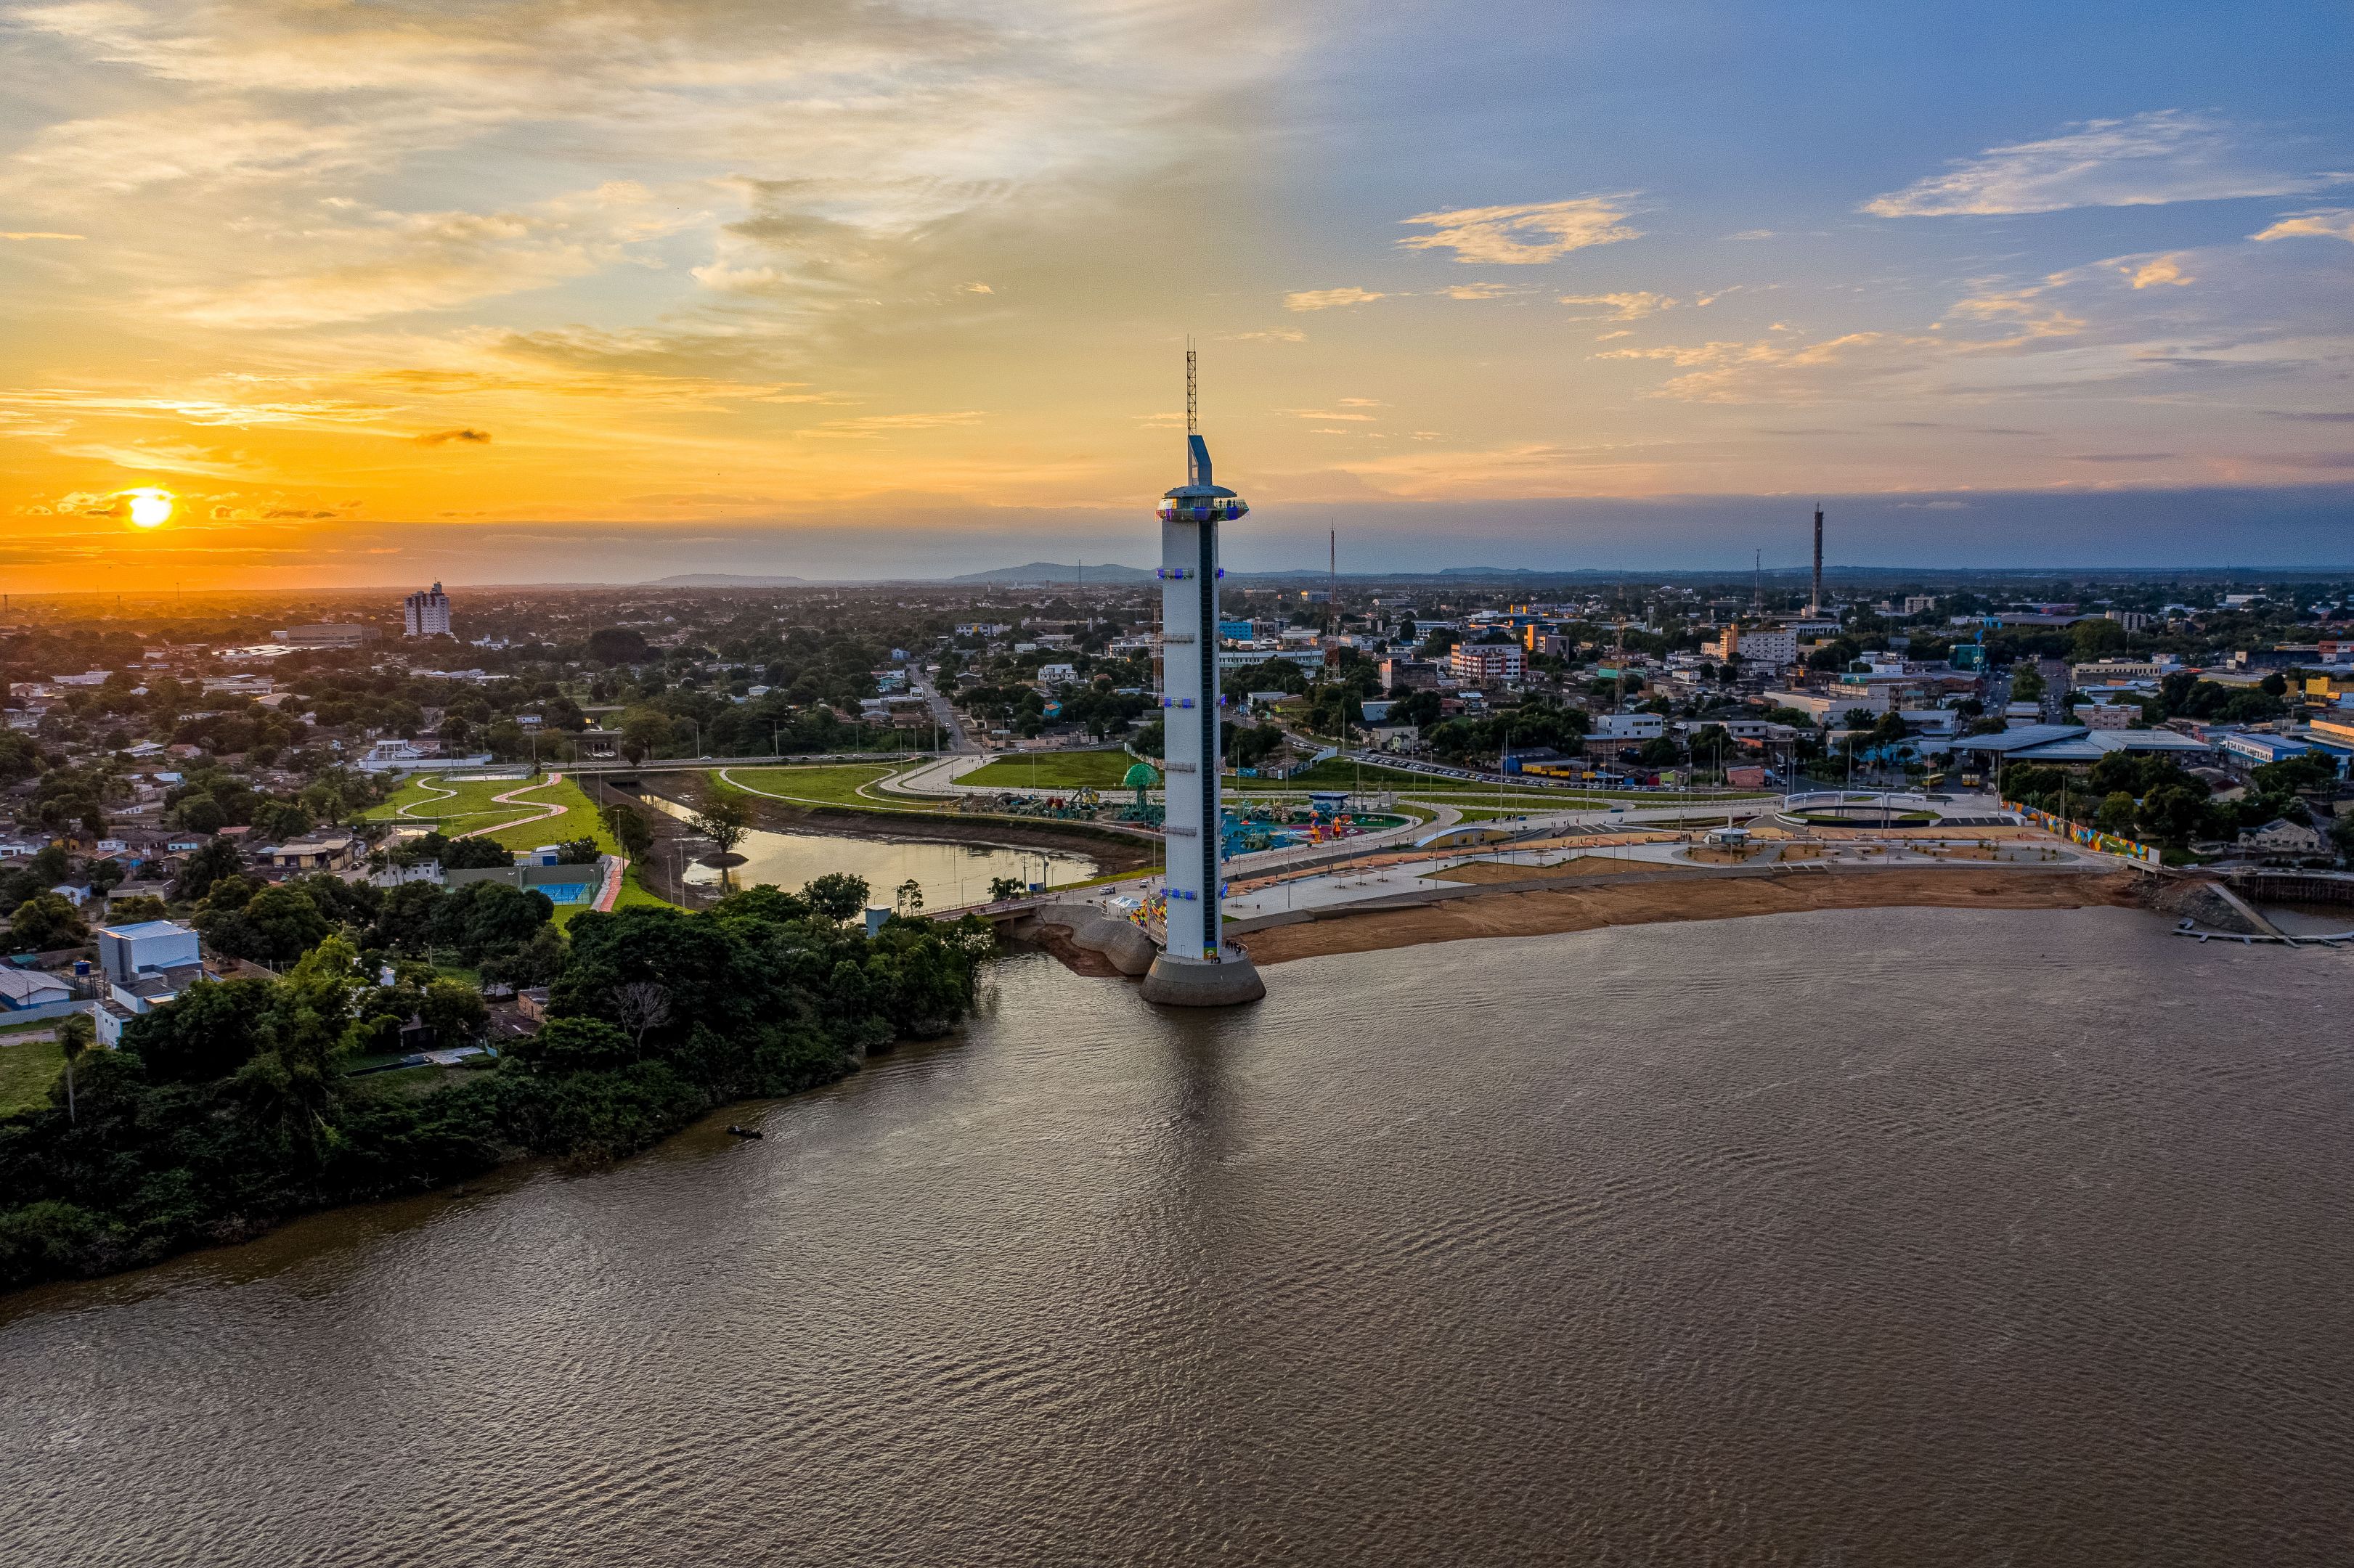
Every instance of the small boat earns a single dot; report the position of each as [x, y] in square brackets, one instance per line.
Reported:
[743, 1131]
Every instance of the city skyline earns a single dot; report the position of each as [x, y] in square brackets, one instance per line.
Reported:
[321, 299]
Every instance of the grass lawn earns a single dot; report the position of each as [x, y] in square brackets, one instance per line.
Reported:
[820, 785]
[469, 806]
[27, 1071]
[580, 821]
[1054, 770]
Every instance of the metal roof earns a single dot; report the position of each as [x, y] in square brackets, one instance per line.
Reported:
[2080, 744]
[2073, 748]
[2019, 739]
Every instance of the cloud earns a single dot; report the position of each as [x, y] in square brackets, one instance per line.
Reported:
[1362, 403]
[1327, 414]
[2148, 160]
[2310, 419]
[1622, 307]
[2165, 269]
[1522, 236]
[1478, 291]
[2122, 456]
[1330, 298]
[38, 234]
[1273, 334]
[869, 427]
[443, 437]
[2325, 223]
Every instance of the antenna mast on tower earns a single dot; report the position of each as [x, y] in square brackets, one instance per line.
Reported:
[1192, 402]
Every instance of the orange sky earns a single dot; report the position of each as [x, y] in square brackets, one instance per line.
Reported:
[342, 279]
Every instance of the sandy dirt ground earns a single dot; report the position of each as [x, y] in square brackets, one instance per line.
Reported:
[1485, 871]
[1589, 909]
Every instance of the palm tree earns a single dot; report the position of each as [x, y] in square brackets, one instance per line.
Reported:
[75, 1034]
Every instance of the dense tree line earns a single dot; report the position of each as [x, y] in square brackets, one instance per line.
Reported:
[2154, 799]
[229, 1109]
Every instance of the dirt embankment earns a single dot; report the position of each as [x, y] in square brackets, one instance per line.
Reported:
[1110, 851]
[1712, 898]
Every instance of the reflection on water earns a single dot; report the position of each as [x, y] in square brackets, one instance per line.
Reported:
[2309, 919]
[1899, 1237]
[949, 874]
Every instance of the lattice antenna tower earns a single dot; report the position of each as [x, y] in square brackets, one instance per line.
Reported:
[1193, 399]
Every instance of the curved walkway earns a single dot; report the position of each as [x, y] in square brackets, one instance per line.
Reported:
[545, 808]
[439, 795]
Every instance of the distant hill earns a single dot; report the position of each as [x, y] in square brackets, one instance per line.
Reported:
[726, 579]
[1055, 572]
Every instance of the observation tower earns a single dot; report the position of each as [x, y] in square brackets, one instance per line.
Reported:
[1197, 967]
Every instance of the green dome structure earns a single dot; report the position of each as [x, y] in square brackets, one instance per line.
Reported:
[1139, 776]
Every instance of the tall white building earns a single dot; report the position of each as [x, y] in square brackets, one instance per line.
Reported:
[428, 613]
[1197, 966]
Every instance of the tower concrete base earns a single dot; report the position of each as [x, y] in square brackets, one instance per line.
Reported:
[1196, 982]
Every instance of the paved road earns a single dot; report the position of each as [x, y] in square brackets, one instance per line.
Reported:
[943, 712]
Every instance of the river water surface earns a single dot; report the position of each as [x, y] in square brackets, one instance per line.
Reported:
[951, 875]
[1896, 1237]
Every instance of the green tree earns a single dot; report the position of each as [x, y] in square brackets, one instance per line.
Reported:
[629, 829]
[208, 1032]
[276, 925]
[212, 860]
[618, 645]
[644, 732]
[2027, 684]
[909, 897]
[133, 907]
[837, 896]
[44, 922]
[2117, 813]
[2092, 640]
[76, 1034]
[722, 822]
[455, 1010]
[2172, 814]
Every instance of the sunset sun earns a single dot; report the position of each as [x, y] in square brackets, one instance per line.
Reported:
[150, 508]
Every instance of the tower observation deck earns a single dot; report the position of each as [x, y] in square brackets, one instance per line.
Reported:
[1198, 967]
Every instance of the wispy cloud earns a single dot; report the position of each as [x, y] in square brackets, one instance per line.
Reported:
[1620, 307]
[2328, 223]
[2159, 271]
[1527, 235]
[465, 436]
[1330, 298]
[874, 425]
[2147, 159]
[38, 234]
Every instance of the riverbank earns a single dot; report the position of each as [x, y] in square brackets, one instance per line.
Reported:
[1675, 898]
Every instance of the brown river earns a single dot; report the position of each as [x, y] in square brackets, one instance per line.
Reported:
[1902, 1237]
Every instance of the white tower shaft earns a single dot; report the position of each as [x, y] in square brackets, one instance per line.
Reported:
[1192, 714]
